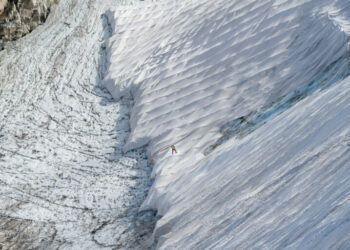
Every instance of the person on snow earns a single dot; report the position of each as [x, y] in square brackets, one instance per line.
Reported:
[173, 149]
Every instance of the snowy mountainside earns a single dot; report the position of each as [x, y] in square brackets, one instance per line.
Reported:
[286, 185]
[194, 66]
[170, 51]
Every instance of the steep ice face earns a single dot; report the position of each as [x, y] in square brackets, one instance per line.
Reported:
[286, 185]
[194, 66]
[191, 57]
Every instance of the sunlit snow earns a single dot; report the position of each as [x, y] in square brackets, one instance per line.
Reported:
[255, 96]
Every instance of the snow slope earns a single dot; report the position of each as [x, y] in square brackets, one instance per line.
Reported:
[286, 185]
[195, 70]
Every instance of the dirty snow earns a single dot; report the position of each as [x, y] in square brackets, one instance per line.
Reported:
[64, 181]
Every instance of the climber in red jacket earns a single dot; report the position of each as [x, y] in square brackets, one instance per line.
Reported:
[173, 149]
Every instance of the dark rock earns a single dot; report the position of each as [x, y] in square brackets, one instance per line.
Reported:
[19, 17]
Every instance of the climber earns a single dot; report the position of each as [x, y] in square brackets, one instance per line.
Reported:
[173, 149]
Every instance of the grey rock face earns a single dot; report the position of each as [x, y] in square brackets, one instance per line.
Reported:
[19, 17]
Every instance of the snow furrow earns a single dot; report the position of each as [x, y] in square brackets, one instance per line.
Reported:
[273, 76]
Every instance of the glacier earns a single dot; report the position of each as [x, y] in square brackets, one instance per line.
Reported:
[65, 182]
[255, 96]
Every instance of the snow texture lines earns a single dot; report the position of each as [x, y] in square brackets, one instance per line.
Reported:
[274, 68]
[64, 181]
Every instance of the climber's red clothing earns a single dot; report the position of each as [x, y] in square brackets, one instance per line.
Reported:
[173, 149]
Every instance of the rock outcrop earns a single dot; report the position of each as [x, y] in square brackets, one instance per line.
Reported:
[19, 17]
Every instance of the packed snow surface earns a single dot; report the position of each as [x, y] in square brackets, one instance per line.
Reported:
[195, 70]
